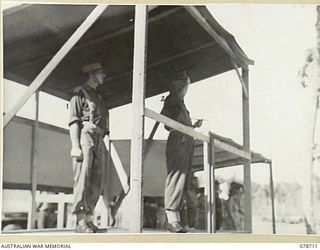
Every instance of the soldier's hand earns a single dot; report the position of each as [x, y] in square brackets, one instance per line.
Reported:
[198, 123]
[76, 152]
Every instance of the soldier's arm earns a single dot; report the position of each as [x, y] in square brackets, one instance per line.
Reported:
[74, 124]
[76, 150]
[75, 134]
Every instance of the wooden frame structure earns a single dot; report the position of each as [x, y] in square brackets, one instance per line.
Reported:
[140, 112]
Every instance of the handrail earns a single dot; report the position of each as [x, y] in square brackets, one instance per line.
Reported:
[197, 135]
[175, 125]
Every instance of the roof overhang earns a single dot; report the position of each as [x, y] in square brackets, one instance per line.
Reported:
[176, 41]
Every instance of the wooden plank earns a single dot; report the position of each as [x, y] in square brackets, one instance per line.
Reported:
[175, 125]
[138, 103]
[35, 164]
[272, 200]
[60, 215]
[246, 146]
[190, 131]
[54, 198]
[57, 58]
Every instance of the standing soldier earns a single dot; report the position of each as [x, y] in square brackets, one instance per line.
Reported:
[179, 152]
[88, 126]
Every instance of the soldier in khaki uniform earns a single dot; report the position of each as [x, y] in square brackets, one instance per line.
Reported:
[88, 126]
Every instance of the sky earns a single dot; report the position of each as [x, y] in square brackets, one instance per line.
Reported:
[276, 37]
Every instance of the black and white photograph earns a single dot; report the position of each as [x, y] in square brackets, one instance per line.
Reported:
[160, 119]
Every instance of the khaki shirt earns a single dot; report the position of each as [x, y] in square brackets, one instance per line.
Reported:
[80, 110]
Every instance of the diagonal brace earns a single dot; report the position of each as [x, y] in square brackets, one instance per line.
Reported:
[47, 70]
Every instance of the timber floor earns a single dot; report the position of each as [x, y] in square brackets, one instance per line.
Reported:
[109, 231]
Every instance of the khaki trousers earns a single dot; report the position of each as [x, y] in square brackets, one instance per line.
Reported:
[88, 172]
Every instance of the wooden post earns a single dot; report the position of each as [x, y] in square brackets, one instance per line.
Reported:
[207, 188]
[34, 165]
[213, 191]
[235, 66]
[46, 71]
[246, 145]
[137, 140]
[60, 215]
[272, 200]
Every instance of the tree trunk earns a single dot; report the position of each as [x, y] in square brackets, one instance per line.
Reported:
[309, 218]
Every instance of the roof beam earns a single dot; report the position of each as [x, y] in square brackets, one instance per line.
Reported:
[195, 13]
[56, 59]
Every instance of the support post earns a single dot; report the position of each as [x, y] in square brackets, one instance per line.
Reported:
[235, 66]
[213, 190]
[207, 188]
[46, 71]
[34, 165]
[246, 145]
[272, 200]
[60, 215]
[138, 101]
